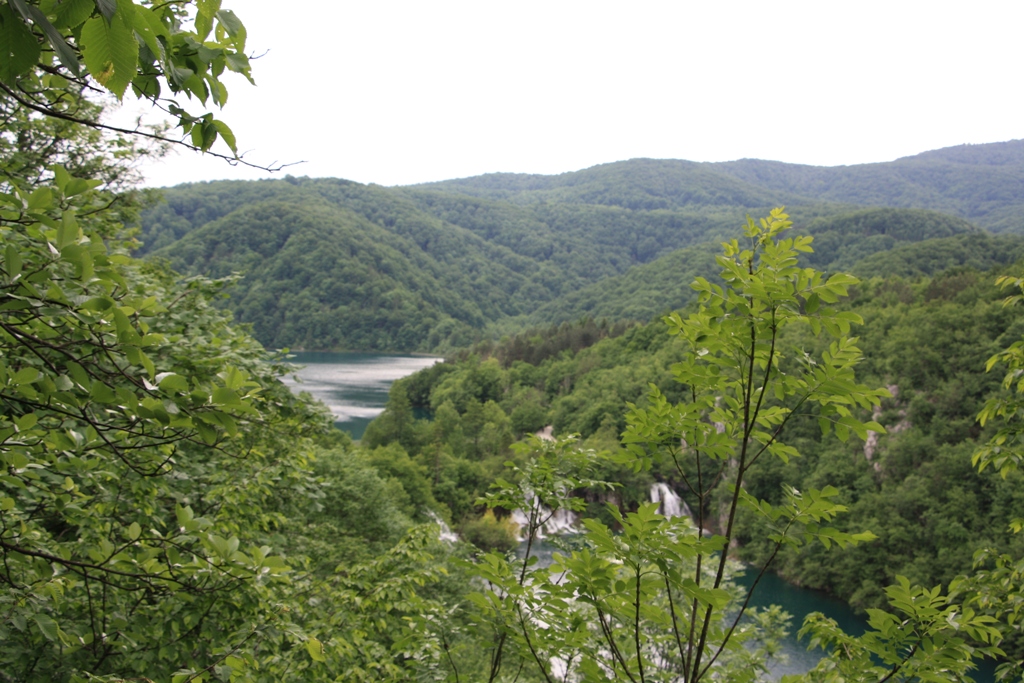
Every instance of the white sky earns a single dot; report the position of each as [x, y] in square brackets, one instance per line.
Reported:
[405, 92]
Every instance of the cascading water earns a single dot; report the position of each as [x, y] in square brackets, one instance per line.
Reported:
[562, 521]
[669, 503]
[446, 534]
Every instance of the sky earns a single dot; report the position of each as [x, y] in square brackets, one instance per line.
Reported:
[397, 93]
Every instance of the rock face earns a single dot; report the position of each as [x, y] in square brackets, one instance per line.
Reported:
[871, 443]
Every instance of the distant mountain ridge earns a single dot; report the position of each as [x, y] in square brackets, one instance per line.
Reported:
[334, 264]
[982, 183]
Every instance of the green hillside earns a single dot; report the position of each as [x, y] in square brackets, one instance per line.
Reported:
[922, 242]
[977, 251]
[330, 264]
[563, 245]
[927, 338]
[638, 184]
[982, 183]
[333, 264]
[318, 276]
[586, 242]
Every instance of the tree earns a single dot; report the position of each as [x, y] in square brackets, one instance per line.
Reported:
[142, 437]
[652, 600]
[54, 54]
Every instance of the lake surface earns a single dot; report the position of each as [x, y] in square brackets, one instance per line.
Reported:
[799, 602]
[353, 385]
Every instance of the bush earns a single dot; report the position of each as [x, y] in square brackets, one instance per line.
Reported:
[489, 533]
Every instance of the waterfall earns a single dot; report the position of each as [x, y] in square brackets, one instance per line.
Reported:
[669, 503]
[562, 521]
[446, 534]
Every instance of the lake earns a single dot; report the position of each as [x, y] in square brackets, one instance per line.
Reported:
[799, 602]
[353, 385]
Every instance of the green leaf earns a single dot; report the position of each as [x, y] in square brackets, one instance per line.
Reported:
[41, 198]
[12, 261]
[26, 376]
[19, 50]
[149, 27]
[224, 396]
[64, 52]
[72, 13]
[206, 9]
[67, 231]
[226, 134]
[233, 25]
[107, 8]
[61, 177]
[27, 421]
[101, 393]
[315, 649]
[47, 626]
[134, 531]
[184, 514]
[239, 63]
[197, 136]
[207, 433]
[110, 50]
[80, 185]
[100, 303]
[174, 384]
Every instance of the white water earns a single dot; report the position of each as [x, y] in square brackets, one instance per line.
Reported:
[446, 534]
[669, 503]
[561, 522]
[565, 521]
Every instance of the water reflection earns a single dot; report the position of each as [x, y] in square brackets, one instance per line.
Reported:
[353, 385]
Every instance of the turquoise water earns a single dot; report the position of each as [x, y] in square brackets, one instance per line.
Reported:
[353, 385]
[799, 602]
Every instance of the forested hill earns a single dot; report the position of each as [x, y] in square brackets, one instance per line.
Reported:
[334, 264]
[927, 338]
[644, 184]
[869, 242]
[982, 183]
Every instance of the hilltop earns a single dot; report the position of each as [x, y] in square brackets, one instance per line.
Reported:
[334, 264]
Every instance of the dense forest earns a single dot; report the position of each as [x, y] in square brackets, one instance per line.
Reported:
[980, 183]
[926, 338]
[435, 267]
[170, 511]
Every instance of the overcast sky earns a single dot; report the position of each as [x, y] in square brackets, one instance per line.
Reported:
[406, 92]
